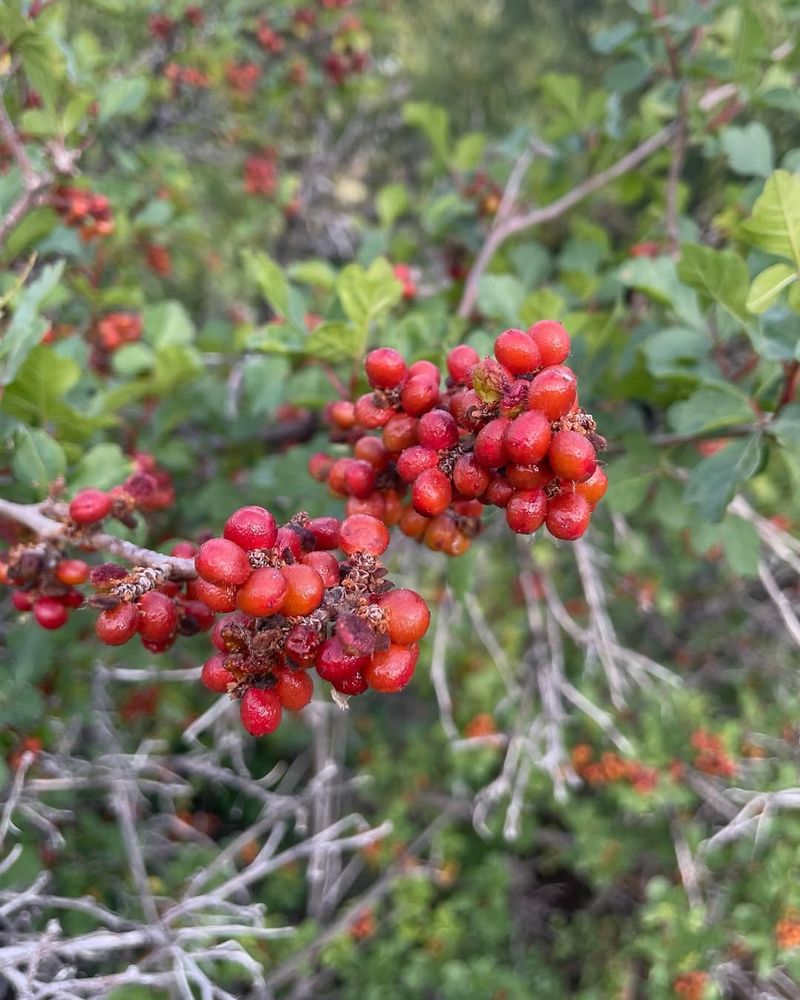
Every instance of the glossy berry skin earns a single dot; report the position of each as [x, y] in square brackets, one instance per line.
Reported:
[325, 531]
[326, 564]
[460, 362]
[440, 534]
[419, 394]
[437, 430]
[568, 516]
[117, 626]
[251, 528]
[294, 689]
[498, 492]
[353, 685]
[490, 449]
[342, 414]
[470, 478]
[362, 533]
[369, 414]
[50, 613]
[528, 477]
[319, 466]
[465, 409]
[360, 478]
[552, 340]
[553, 392]
[414, 461]
[301, 644]
[400, 432]
[215, 597]
[334, 664]
[527, 438]
[407, 615]
[304, 590]
[374, 506]
[526, 511]
[289, 540]
[90, 506]
[222, 562]
[517, 351]
[215, 676]
[412, 524]
[260, 711]
[158, 617]
[572, 456]
[194, 617]
[385, 368]
[594, 488]
[426, 368]
[72, 572]
[263, 593]
[390, 670]
[372, 450]
[431, 493]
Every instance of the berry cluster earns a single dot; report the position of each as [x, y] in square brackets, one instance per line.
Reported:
[505, 431]
[81, 209]
[787, 930]
[118, 328]
[712, 758]
[690, 985]
[293, 604]
[261, 173]
[611, 768]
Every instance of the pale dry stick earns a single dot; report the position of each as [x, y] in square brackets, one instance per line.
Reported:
[499, 787]
[533, 148]
[784, 545]
[547, 213]
[598, 715]
[601, 628]
[780, 600]
[444, 623]
[134, 676]
[489, 640]
[223, 706]
[686, 866]
[124, 809]
[81, 904]
[34, 183]
[15, 793]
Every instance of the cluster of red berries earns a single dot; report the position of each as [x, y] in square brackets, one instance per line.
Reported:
[296, 605]
[261, 173]
[163, 27]
[712, 758]
[506, 431]
[690, 985]
[787, 930]
[158, 259]
[403, 274]
[486, 193]
[242, 77]
[611, 768]
[84, 210]
[44, 583]
[118, 328]
[189, 76]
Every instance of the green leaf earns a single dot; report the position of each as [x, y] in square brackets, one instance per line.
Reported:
[714, 481]
[719, 275]
[313, 272]
[335, 342]
[768, 285]
[658, 278]
[434, 122]
[268, 276]
[468, 152]
[167, 323]
[500, 297]
[786, 426]
[749, 149]
[563, 90]
[105, 465]
[367, 294]
[132, 360]
[677, 351]
[27, 328]
[38, 458]
[43, 63]
[544, 303]
[390, 203]
[628, 484]
[121, 97]
[741, 545]
[710, 408]
[775, 222]
[264, 384]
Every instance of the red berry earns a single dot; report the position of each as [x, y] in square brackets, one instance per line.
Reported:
[222, 562]
[21, 600]
[229, 634]
[499, 491]
[360, 478]
[158, 617]
[528, 477]
[370, 414]
[374, 506]
[568, 516]
[184, 550]
[419, 394]
[371, 450]
[460, 362]
[117, 626]
[304, 590]
[515, 399]
[294, 689]
[260, 711]
[215, 676]
[90, 506]
[301, 644]
[440, 533]
[572, 456]
[263, 594]
[594, 488]
[552, 340]
[407, 615]
[334, 664]
[466, 409]
[489, 445]
[391, 669]
[553, 392]
[319, 466]
[526, 511]
[71, 572]
[385, 368]
[251, 528]
[362, 533]
[412, 524]
[325, 531]
[71, 599]
[470, 478]
[426, 368]
[337, 476]
[289, 539]
[527, 438]
[195, 616]
[517, 352]
[414, 461]
[342, 414]
[50, 613]
[437, 430]
[400, 432]
[352, 685]
[215, 597]
[326, 564]
[431, 493]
